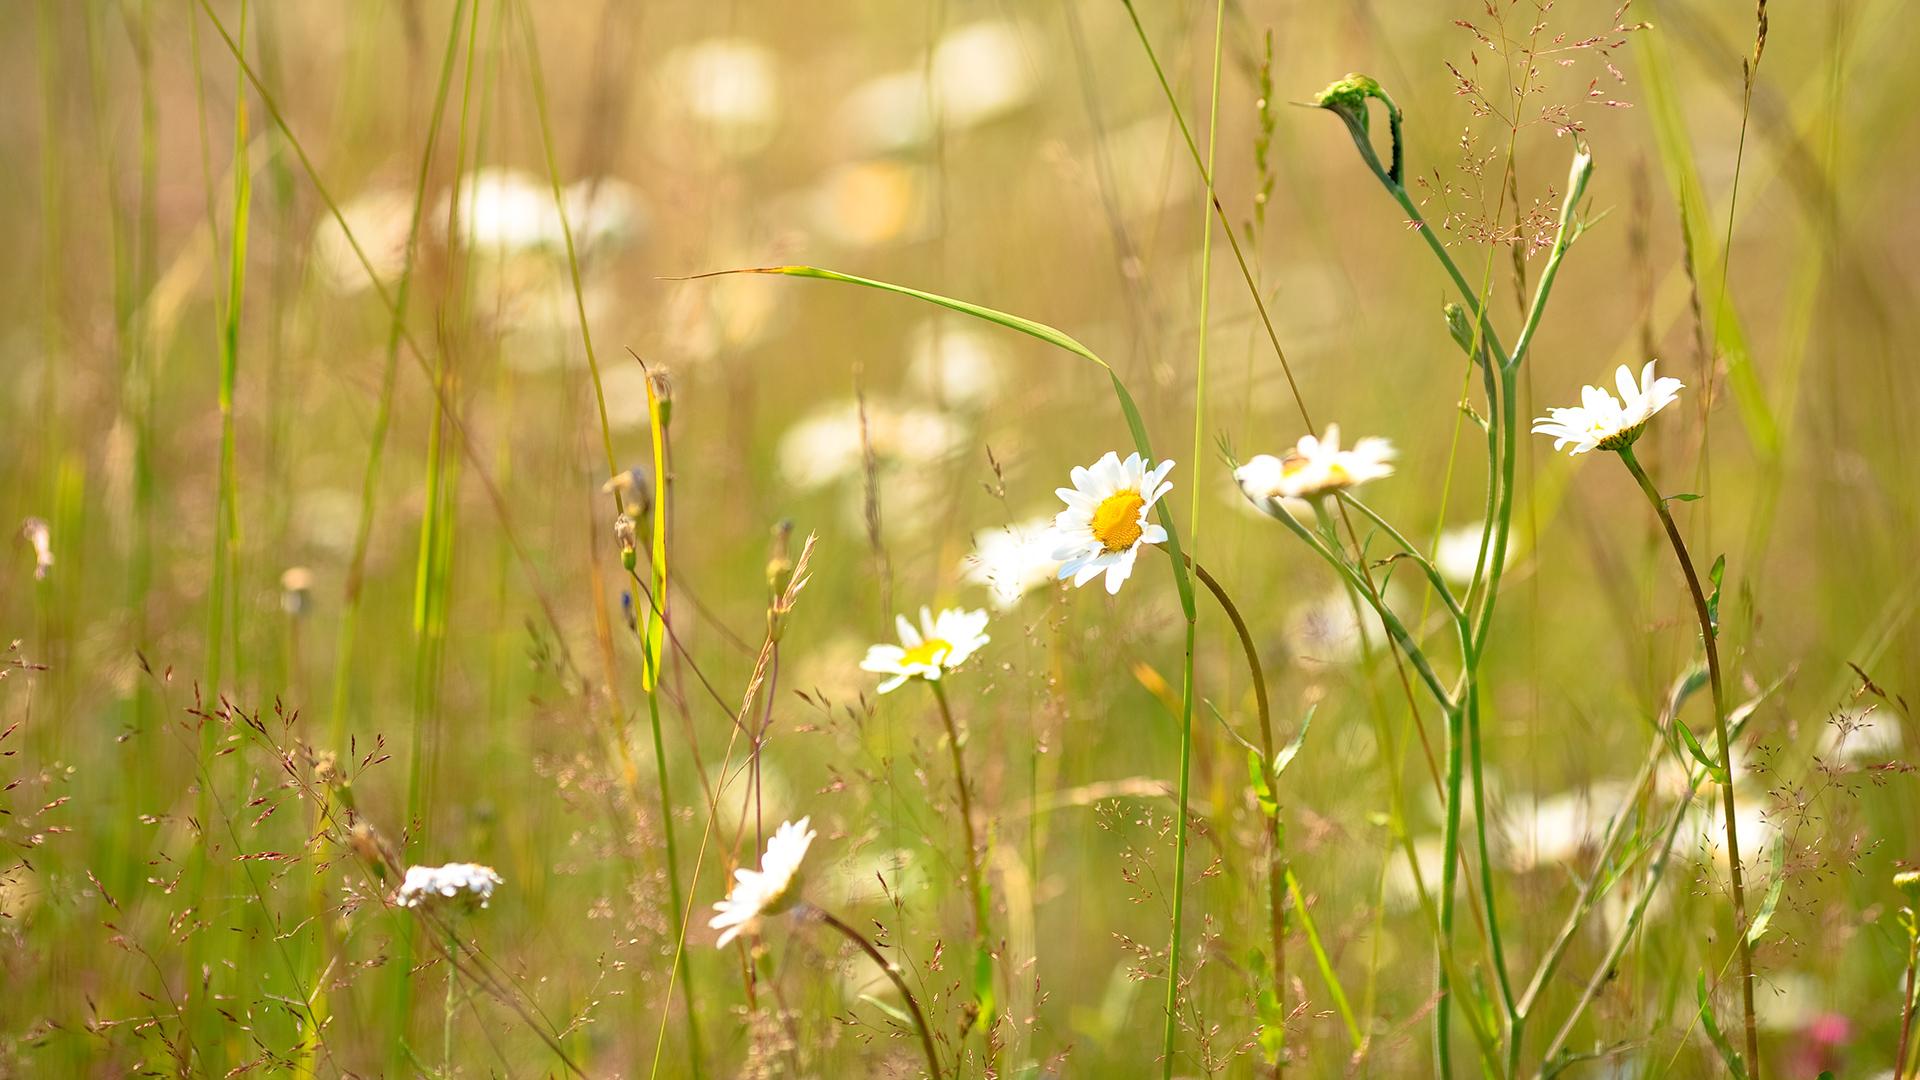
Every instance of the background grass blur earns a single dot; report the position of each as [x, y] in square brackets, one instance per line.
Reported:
[1043, 176]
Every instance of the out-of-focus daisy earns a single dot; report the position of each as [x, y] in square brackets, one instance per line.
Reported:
[1604, 422]
[502, 211]
[729, 85]
[827, 445]
[1458, 551]
[379, 220]
[296, 587]
[977, 73]
[1862, 737]
[1329, 631]
[768, 890]
[1402, 889]
[953, 363]
[939, 644]
[1105, 521]
[39, 537]
[1558, 828]
[466, 884]
[1313, 468]
[1013, 560]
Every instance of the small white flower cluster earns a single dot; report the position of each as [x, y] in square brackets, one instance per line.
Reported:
[467, 883]
[768, 890]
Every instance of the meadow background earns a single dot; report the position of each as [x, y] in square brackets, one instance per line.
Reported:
[310, 572]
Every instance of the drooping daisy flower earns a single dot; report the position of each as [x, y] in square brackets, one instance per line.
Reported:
[1604, 422]
[768, 890]
[940, 644]
[463, 883]
[1013, 560]
[1105, 521]
[1314, 467]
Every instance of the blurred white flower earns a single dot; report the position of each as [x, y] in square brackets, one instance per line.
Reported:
[954, 363]
[1105, 522]
[506, 211]
[1328, 631]
[1868, 736]
[379, 220]
[1313, 468]
[502, 211]
[463, 883]
[1603, 422]
[1013, 560]
[730, 85]
[1557, 829]
[39, 537]
[1457, 552]
[978, 73]
[827, 445]
[939, 644]
[1401, 888]
[768, 890]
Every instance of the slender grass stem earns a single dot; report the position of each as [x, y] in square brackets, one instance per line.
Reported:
[893, 975]
[982, 970]
[1187, 691]
[1709, 634]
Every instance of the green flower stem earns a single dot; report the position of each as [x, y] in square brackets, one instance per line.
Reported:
[1277, 871]
[976, 875]
[1320, 960]
[1709, 636]
[1426, 566]
[900, 984]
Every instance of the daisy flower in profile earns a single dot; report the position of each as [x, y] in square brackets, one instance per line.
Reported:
[938, 645]
[1105, 521]
[1314, 467]
[467, 884]
[1604, 422]
[768, 890]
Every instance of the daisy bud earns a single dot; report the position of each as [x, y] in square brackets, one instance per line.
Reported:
[1347, 99]
[625, 533]
[662, 386]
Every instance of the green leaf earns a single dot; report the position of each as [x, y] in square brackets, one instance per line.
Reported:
[1712, 1028]
[1767, 906]
[1715, 575]
[1257, 774]
[1292, 750]
[1685, 496]
[898, 1015]
[1714, 768]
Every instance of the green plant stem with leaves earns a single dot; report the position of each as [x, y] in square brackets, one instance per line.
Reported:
[1706, 609]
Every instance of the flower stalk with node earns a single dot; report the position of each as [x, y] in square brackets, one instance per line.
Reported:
[1604, 422]
[1306, 473]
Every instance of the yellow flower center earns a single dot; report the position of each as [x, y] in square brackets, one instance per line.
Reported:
[1116, 521]
[930, 651]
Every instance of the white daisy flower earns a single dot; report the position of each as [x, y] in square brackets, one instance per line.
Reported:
[466, 883]
[1604, 422]
[940, 644]
[1314, 467]
[1105, 521]
[768, 890]
[1013, 560]
[731, 86]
